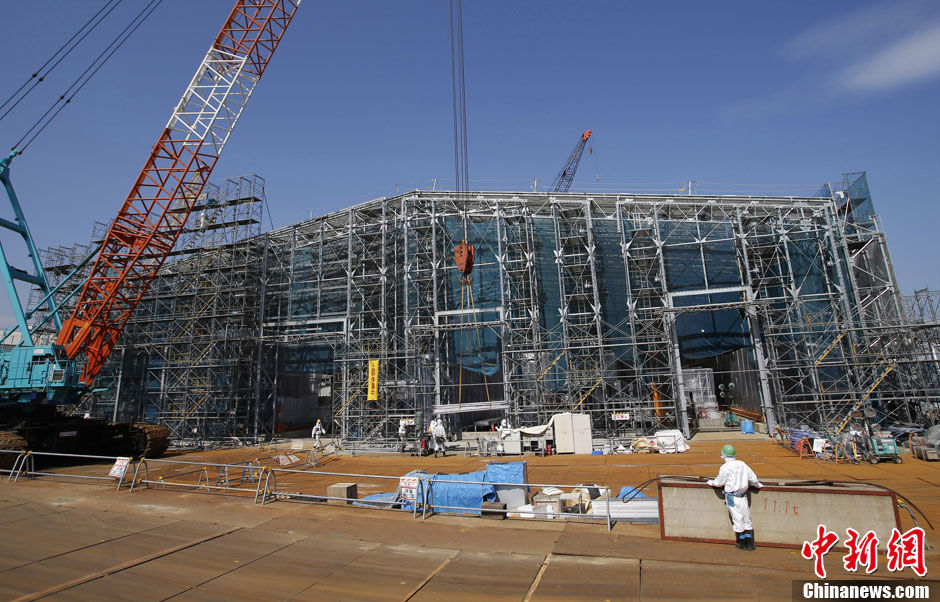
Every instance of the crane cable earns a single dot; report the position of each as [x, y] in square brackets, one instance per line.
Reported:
[43, 122]
[461, 161]
[39, 75]
[462, 175]
[597, 175]
[459, 89]
[476, 327]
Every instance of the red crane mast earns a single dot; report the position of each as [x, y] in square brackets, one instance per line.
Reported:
[142, 235]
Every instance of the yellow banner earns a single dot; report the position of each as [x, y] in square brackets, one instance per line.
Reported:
[373, 380]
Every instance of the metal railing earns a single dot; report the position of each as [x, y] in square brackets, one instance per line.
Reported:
[252, 477]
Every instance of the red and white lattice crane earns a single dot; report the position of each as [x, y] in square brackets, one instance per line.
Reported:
[150, 220]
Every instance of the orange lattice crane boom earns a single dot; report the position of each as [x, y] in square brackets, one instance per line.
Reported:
[142, 235]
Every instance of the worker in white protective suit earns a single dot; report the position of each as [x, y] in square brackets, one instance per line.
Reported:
[431, 426]
[402, 430]
[504, 433]
[735, 477]
[440, 436]
[317, 431]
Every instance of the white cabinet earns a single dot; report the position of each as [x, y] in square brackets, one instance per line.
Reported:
[572, 433]
[583, 443]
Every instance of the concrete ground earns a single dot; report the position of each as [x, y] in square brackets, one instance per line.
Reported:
[76, 540]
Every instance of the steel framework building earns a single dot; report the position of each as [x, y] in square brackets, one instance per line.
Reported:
[589, 302]
[189, 351]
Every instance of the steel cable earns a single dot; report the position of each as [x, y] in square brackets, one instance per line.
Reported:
[39, 76]
[42, 123]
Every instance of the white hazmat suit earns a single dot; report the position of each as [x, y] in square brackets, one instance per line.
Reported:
[439, 435]
[317, 431]
[735, 477]
[402, 430]
[505, 431]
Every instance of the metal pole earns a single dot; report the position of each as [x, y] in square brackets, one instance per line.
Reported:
[117, 389]
[607, 497]
[264, 286]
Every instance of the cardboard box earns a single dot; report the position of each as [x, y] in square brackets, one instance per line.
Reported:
[343, 490]
[493, 510]
[547, 503]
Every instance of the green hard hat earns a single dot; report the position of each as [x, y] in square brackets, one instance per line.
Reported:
[727, 450]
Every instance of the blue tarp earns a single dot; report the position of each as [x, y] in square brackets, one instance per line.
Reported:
[630, 492]
[505, 472]
[440, 494]
[469, 495]
[451, 495]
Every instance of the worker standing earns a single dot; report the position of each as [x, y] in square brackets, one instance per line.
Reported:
[401, 435]
[440, 436]
[735, 477]
[317, 431]
[433, 443]
[505, 431]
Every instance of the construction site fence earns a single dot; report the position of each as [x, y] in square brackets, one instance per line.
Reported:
[231, 478]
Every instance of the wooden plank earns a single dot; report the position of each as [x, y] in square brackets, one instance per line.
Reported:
[172, 574]
[582, 578]
[665, 580]
[389, 572]
[285, 573]
[483, 576]
[112, 552]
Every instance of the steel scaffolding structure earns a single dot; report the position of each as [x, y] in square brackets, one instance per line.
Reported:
[923, 315]
[594, 303]
[188, 354]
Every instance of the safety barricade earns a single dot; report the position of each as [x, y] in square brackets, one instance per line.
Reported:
[252, 471]
[25, 466]
[840, 454]
[264, 484]
[804, 448]
[802, 444]
[780, 437]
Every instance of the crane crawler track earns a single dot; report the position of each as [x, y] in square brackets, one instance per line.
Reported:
[13, 442]
[157, 437]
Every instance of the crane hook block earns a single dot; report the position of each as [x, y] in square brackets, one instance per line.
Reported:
[464, 254]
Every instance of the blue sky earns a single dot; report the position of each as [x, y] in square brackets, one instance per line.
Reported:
[744, 97]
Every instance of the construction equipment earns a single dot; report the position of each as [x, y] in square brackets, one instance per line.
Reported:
[36, 378]
[926, 447]
[464, 255]
[731, 420]
[562, 181]
[872, 443]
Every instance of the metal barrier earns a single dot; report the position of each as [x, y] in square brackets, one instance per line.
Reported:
[25, 464]
[265, 480]
[10, 453]
[223, 482]
[21, 461]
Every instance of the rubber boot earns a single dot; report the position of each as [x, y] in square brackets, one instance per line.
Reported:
[747, 540]
[739, 541]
